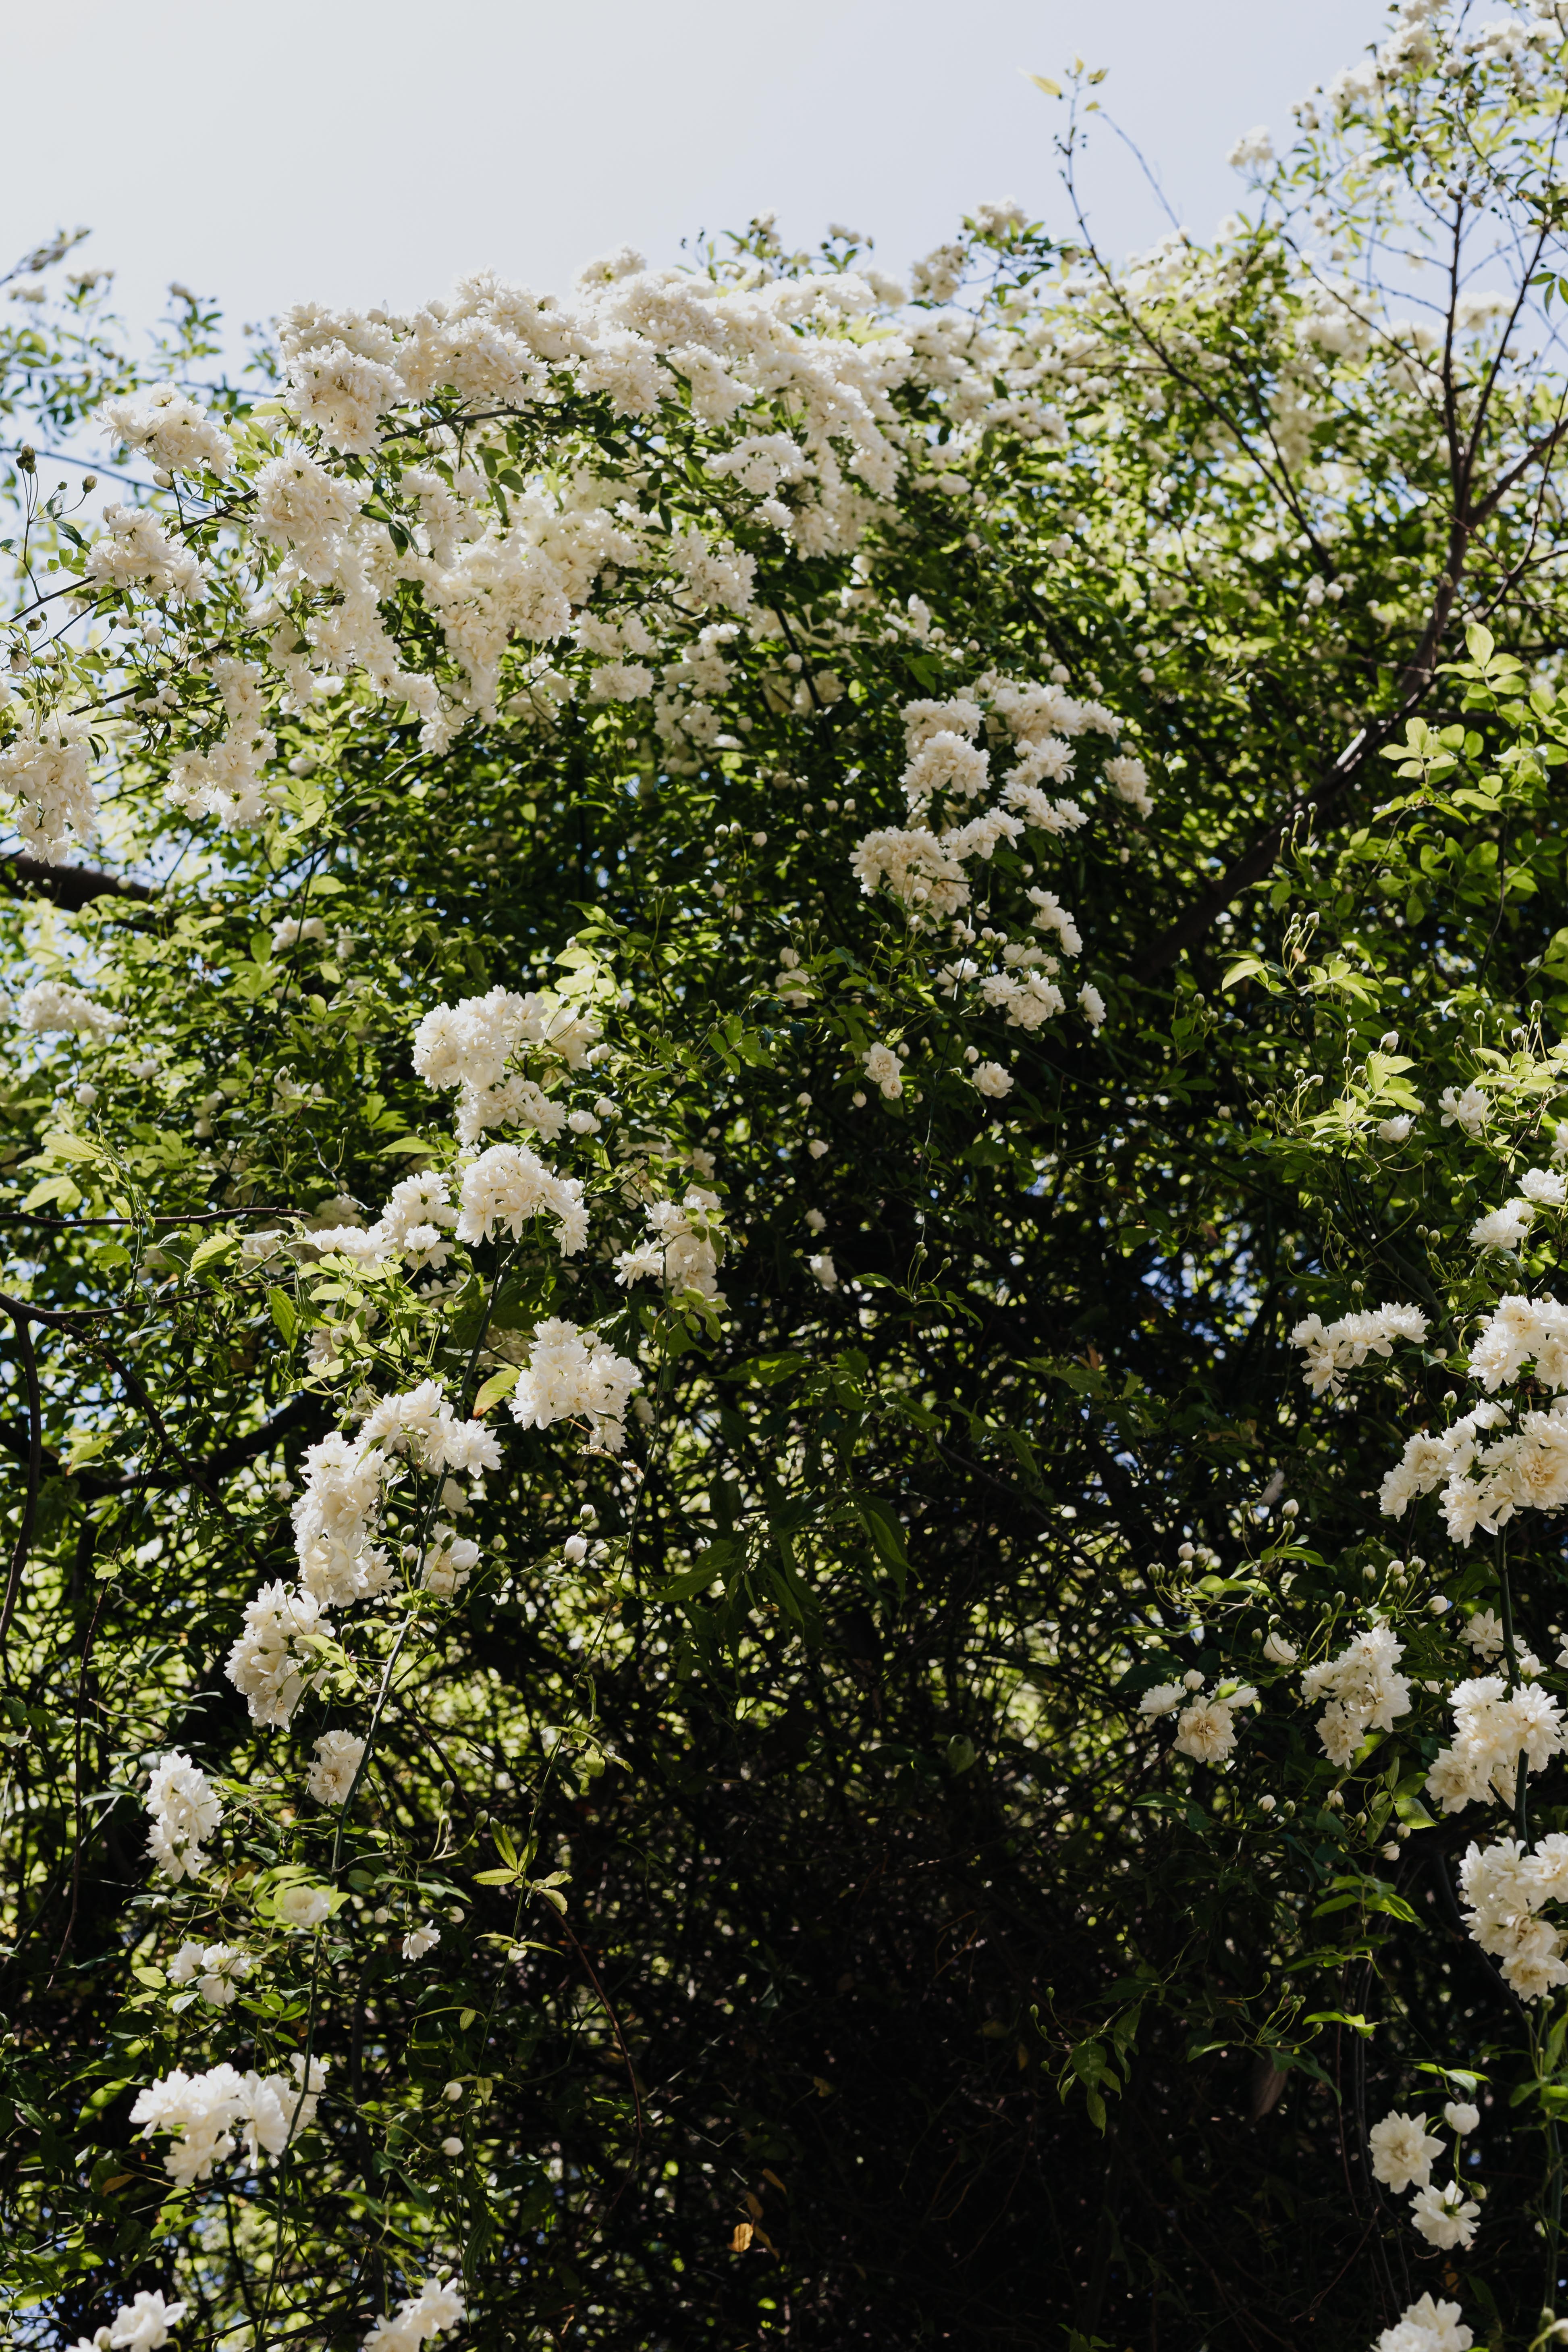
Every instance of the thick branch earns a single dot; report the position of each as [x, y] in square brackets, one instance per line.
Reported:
[68, 885]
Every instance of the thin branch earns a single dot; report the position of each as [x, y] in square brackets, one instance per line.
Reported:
[24, 1542]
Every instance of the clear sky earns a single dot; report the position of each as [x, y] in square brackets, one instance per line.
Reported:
[366, 151]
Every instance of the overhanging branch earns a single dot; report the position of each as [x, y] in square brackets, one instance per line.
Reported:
[68, 885]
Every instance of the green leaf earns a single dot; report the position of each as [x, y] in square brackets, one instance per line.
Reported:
[216, 1249]
[499, 1384]
[1251, 966]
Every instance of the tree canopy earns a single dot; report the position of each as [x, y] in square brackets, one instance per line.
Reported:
[782, 1162]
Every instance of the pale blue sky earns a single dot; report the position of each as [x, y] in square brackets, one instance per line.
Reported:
[365, 151]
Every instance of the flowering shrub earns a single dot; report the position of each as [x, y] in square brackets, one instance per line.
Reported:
[783, 1167]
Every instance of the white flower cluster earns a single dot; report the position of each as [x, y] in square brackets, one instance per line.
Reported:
[1364, 1691]
[1507, 1228]
[142, 2324]
[165, 423]
[471, 1045]
[1493, 1727]
[437, 2306]
[410, 1228]
[49, 1005]
[216, 1970]
[946, 781]
[1485, 1478]
[226, 781]
[182, 1807]
[573, 1374]
[421, 1424]
[493, 573]
[46, 776]
[336, 1519]
[275, 1650]
[136, 552]
[1402, 2152]
[685, 1238]
[1507, 1885]
[1332, 1348]
[1205, 1726]
[1520, 1331]
[509, 1185]
[450, 1561]
[201, 2112]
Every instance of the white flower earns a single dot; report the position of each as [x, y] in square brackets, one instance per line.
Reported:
[1491, 1729]
[1461, 2116]
[337, 1759]
[884, 1069]
[45, 775]
[299, 1906]
[1543, 1186]
[143, 2325]
[1484, 1633]
[452, 2145]
[1364, 1691]
[1426, 2326]
[1091, 1005]
[1278, 1651]
[823, 1268]
[1506, 1886]
[1395, 1130]
[1253, 148]
[437, 2306]
[1470, 1108]
[1161, 1698]
[215, 1971]
[450, 1561]
[1519, 1331]
[682, 1250]
[135, 551]
[991, 1078]
[1403, 2151]
[1129, 780]
[1205, 1730]
[1504, 1228]
[570, 1374]
[1331, 1349]
[420, 1940]
[1445, 2216]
